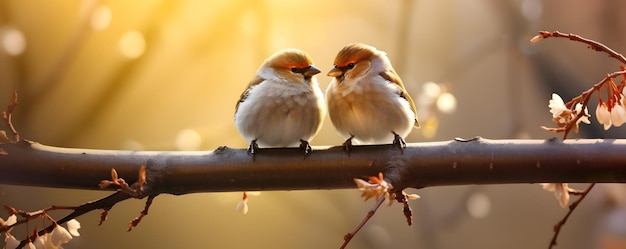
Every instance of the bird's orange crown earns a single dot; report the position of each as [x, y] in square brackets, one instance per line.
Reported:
[289, 58]
[353, 53]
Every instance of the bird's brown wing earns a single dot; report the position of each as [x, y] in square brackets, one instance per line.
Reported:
[257, 80]
[392, 76]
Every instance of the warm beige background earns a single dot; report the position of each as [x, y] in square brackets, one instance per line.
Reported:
[79, 90]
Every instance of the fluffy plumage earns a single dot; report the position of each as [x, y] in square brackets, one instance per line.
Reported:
[366, 98]
[283, 105]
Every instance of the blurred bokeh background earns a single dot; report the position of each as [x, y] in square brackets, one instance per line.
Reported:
[165, 75]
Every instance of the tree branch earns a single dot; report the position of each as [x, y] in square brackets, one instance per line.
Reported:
[594, 45]
[457, 162]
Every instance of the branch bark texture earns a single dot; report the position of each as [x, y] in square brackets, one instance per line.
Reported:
[456, 162]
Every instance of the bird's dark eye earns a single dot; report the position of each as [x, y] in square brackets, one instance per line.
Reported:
[350, 66]
[294, 70]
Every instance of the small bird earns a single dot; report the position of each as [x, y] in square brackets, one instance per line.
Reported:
[366, 98]
[283, 105]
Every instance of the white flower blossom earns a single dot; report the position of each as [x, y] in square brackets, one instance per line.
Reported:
[563, 116]
[561, 192]
[612, 112]
[618, 113]
[603, 115]
[40, 242]
[242, 206]
[377, 187]
[374, 188]
[47, 242]
[10, 242]
[585, 117]
[59, 236]
[30, 245]
[557, 107]
[72, 226]
[9, 222]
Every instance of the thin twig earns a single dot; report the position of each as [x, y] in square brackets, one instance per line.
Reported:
[28, 216]
[406, 209]
[596, 46]
[572, 207]
[584, 100]
[7, 115]
[133, 223]
[104, 203]
[592, 44]
[370, 214]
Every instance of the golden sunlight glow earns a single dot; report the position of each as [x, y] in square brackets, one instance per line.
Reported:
[431, 89]
[249, 23]
[132, 44]
[163, 75]
[188, 139]
[13, 41]
[101, 17]
[446, 103]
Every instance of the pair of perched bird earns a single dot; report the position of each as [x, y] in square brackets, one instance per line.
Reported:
[283, 105]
